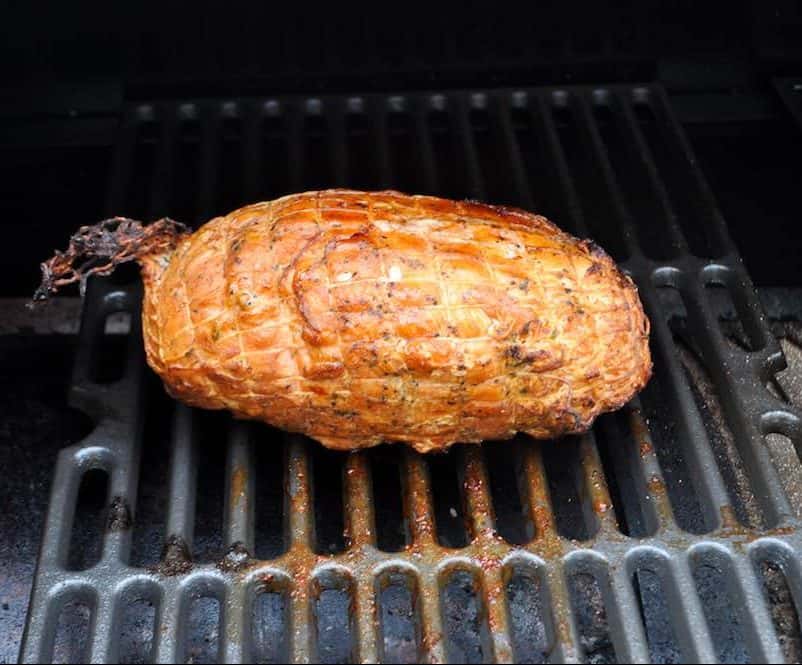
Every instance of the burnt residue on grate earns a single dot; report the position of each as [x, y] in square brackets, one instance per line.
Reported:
[176, 558]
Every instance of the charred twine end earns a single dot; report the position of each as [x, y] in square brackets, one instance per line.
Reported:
[98, 249]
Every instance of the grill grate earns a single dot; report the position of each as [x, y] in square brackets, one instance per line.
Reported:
[630, 539]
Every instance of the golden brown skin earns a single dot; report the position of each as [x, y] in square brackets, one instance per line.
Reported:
[357, 318]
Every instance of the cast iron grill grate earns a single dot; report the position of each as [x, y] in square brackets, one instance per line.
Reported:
[663, 535]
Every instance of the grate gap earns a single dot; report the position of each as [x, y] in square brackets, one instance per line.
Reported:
[562, 463]
[363, 169]
[184, 199]
[144, 162]
[73, 631]
[635, 186]
[108, 351]
[647, 582]
[465, 629]
[449, 509]
[499, 187]
[721, 438]
[713, 578]
[730, 320]
[621, 460]
[594, 197]
[230, 194]
[451, 166]
[391, 528]
[213, 428]
[86, 540]
[405, 149]
[528, 611]
[678, 175]
[327, 490]
[137, 626]
[203, 631]
[147, 535]
[786, 384]
[510, 501]
[784, 614]
[334, 617]
[399, 618]
[587, 603]
[317, 155]
[270, 459]
[785, 458]
[275, 180]
[270, 626]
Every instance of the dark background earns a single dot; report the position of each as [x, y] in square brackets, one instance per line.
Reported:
[68, 71]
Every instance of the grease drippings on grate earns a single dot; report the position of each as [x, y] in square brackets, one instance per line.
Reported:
[335, 635]
[590, 613]
[269, 637]
[648, 583]
[203, 644]
[137, 625]
[399, 617]
[528, 611]
[466, 633]
[72, 640]
[784, 614]
[86, 541]
[714, 577]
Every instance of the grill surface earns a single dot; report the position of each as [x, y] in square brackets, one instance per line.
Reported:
[665, 534]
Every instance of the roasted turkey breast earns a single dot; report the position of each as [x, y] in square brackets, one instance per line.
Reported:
[361, 317]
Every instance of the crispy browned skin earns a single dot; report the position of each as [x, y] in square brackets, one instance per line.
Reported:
[358, 318]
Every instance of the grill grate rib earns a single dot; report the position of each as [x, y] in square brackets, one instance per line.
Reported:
[587, 598]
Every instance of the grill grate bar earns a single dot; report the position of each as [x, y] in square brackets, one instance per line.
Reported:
[240, 486]
[693, 635]
[706, 476]
[602, 159]
[475, 185]
[544, 121]
[611, 558]
[501, 113]
[761, 637]
[359, 513]
[757, 459]
[418, 504]
[426, 149]
[635, 137]
[476, 488]
[183, 483]
[162, 175]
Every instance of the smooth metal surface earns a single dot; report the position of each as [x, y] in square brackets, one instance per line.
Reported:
[301, 575]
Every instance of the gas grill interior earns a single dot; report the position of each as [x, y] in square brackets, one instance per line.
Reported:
[669, 533]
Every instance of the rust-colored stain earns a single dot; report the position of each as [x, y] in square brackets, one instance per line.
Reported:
[239, 484]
